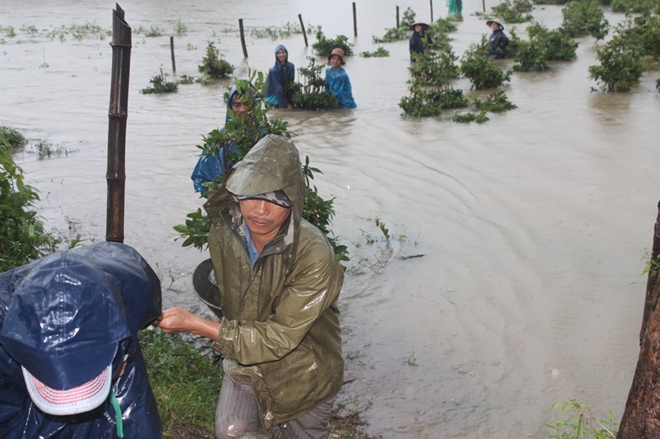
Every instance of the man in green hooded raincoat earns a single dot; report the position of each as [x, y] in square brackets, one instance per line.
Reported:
[278, 282]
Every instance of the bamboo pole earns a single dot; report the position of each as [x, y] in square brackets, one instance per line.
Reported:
[117, 114]
[354, 20]
[397, 17]
[302, 25]
[240, 27]
[172, 53]
[431, 11]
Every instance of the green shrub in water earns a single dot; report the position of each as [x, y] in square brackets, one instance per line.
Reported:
[480, 69]
[13, 137]
[213, 65]
[323, 46]
[378, 53]
[161, 85]
[581, 424]
[584, 17]
[514, 11]
[310, 94]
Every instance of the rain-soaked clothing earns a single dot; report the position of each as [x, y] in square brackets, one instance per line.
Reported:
[280, 327]
[498, 42]
[128, 295]
[339, 84]
[278, 77]
[454, 7]
[209, 167]
[416, 44]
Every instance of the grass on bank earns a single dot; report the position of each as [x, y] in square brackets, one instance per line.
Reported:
[186, 381]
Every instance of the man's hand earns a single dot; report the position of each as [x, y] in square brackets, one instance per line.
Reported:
[180, 320]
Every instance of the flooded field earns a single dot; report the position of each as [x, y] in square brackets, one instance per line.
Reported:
[532, 226]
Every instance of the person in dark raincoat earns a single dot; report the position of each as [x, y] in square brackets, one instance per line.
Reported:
[418, 40]
[497, 40]
[70, 362]
[279, 76]
[337, 81]
[276, 282]
[212, 166]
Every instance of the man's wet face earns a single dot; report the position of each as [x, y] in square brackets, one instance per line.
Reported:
[240, 105]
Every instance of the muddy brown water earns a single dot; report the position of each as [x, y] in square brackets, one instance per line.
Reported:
[531, 226]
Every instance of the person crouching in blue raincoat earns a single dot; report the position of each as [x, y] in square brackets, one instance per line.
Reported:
[337, 81]
[279, 76]
[210, 167]
[70, 362]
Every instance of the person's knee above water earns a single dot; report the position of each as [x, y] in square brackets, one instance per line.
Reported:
[279, 77]
[497, 40]
[337, 81]
[211, 167]
[278, 281]
[70, 362]
[418, 40]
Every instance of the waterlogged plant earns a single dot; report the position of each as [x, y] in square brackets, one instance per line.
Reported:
[275, 33]
[14, 138]
[582, 423]
[495, 102]
[558, 45]
[9, 31]
[645, 7]
[651, 265]
[378, 53]
[514, 11]
[310, 93]
[154, 31]
[584, 17]
[160, 84]
[213, 65]
[323, 46]
[398, 33]
[180, 28]
[468, 117]
[22, 235]
[480, 69]
[47, 150]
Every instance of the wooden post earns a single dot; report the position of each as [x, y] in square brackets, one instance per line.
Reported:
[483, 3]
[354, 20]
[432, 11]
[397, 17]
[302, 25]
[240, 27]
[172, 52]
[117, 114]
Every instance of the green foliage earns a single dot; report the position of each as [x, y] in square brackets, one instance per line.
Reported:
[398, 33]
[213, 65]
[582, 424]
[180, 28]
[13, 137]
[529, 56]
[275, 33]
[435, 68]
[161, 85]
[310, 94]
[495, 102]
[186, 381]
[558, 45]
[645, 7]
[430, 102]
[514, 11]
[378, 53]
[153, 32]
[46, 149]
[245, 131]
[584, 17]
[470, 117]
[323, 46]
[22, 235]
[651, 265]
[634, 47]
[480, 69]
[442, 26]
[9, 31]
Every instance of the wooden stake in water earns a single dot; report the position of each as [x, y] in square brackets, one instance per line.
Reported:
[172, 52]
[302, 25]
[240, 27]
[431, 11]
[354, 20]
[397, 17]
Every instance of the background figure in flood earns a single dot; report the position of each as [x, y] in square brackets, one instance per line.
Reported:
[279, 76]
[418, 39]
[497, 40]
[455, 7]
[337, 81]
[211, 166]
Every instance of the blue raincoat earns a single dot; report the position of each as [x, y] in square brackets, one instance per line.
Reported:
[278, 77]
[123, 293]
[339, 84]
[210, 167]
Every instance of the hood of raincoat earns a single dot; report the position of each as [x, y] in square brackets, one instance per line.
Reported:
[272, 164]
[67, 315]
[277, 49]
[232, 92]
